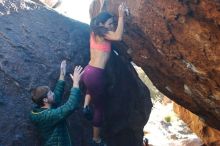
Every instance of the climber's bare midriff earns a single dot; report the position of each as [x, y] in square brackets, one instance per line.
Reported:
[98, 58]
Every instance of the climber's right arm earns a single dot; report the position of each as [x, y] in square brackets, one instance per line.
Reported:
[117, 35]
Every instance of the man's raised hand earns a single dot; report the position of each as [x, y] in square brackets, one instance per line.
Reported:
[62, 70]
[76, 76]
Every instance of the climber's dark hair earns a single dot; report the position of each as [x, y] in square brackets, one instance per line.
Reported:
[100, 18]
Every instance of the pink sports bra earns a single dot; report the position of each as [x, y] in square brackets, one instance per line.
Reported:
[104, 46]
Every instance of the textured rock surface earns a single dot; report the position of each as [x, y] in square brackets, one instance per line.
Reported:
[177, 43]
[50, 3]
[10, 6]
[33, 41]
[208, 135]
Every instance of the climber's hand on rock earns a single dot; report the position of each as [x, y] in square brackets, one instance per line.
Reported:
[122, 9]
[101, 2]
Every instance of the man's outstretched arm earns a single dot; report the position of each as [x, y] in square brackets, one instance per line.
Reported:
[60, 113]
[59, 88]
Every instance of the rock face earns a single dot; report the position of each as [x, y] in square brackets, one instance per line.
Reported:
[8, 6]
[177, 44]
[208, 135]
[49, 3]
[33, 41]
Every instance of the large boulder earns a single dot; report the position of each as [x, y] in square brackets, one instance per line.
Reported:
[177, 44]
[208, 135]
[49, 3]
[33, 41]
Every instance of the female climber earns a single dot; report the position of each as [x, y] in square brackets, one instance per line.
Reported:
[102, 33]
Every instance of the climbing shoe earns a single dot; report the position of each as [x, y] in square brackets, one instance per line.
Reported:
[87, 112]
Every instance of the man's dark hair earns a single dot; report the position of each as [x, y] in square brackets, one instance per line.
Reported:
[38, 94]
[101, 18]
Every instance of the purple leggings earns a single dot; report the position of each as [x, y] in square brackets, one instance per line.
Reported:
[93, 78]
